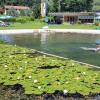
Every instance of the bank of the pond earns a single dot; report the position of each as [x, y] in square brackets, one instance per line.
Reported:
[26, 31]
[16, 92]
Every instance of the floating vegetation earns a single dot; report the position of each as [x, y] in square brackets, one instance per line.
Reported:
[39, 74]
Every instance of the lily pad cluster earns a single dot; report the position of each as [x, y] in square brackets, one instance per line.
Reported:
[40, 74]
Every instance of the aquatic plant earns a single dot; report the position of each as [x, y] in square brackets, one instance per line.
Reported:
[40, 74]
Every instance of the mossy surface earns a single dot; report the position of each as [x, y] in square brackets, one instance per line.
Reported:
[40, 74]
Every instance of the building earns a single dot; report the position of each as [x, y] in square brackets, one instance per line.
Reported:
[74, 17]
[1, 10]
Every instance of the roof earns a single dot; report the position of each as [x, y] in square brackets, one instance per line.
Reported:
[17, 7]
[1, 9]
[71, 13]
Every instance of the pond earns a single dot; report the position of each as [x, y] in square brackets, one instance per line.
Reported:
[62, 44]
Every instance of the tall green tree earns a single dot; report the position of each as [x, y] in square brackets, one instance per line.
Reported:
[36, 8]
[52, 5]
[76, 5]
[70, 5]
[2, 2]
[89, 5]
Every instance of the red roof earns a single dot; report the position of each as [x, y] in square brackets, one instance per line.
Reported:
[1, 9]
[17, 7]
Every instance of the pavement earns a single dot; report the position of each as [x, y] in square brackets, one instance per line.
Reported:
[26, 31]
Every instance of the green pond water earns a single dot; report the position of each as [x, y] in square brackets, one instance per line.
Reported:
[62, 44]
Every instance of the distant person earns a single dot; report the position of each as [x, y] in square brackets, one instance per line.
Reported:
[98, 47]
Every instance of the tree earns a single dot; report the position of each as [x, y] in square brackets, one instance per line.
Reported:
[2, 3]
[89, 5]
[49, 6]
[52, 5]
[76, 5]
[56, 5]
[13, 12]
[69, 5]
[36, 8]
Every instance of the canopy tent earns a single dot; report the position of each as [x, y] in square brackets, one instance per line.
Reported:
[98, 17]
[5, 17]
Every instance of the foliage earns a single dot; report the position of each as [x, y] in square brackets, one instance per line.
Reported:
[96, 22]
[26, 13]
[11, 20]
[53, 5]
[79, 22]
[50, 8]
[13, 12]
[50, 18]
[16, 2]
[36, 8]
[96, 5]
[21, 19]
[69, 5]
[2, 41]
[42, 74]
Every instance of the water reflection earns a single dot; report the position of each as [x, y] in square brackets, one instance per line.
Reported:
[6, 38]
[62, 44]
[44, 41]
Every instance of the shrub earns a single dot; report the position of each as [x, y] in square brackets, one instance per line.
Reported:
[12, 20]
[28, 18]
[21, 19]
[26, 13]
[42, 19]
[79, 22]
[31, 19]
[13, 12]
[22, 13]
[2, 41]
[96, 23]
[50, 18]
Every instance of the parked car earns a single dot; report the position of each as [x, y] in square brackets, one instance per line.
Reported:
[3, 24]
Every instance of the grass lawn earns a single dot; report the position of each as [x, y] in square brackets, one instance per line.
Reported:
[74, 26]
[38, 25]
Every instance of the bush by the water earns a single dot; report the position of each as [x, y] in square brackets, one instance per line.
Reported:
[97, 23]
[21, 19]
[40, 74]
[2, 41]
